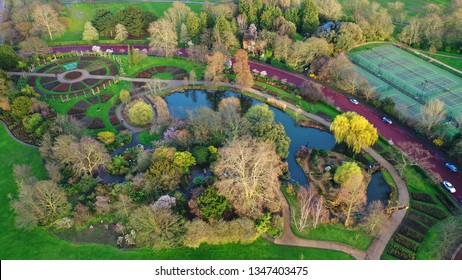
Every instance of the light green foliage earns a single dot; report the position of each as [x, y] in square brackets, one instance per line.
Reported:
[259, 113]
[89, 32]
[309, 19]
[274, 132]
[32, 122]
[107, 137]
[20, 107]
[212, 204]
[140, 113]
[345, 171]
[184, 160]
[8, 58]
[125, 96]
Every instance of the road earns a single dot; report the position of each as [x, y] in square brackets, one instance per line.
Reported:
[395, 133]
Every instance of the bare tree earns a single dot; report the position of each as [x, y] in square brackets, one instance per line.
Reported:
[215, 68]
[412, 154]
[301, 215]
[248, 174]
[319, 211]
[432, 114]
[376, 217]
[164, 38]
[34, 46]
[46, 19]
[310, 91]
[352, 195]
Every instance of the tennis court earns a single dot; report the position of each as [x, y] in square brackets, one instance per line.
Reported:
[408, 80]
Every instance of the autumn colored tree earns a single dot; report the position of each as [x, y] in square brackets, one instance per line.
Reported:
[20, 107]
[89, 32]
[164, 38]
[352, 194]
[355, 130]
[184, 160]
[215, 68]
[125, 96]
[107, 137]
[244, 77]
[33, 46]
[329, 10]
[248, 173]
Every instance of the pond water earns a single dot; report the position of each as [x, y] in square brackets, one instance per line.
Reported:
[180, 102]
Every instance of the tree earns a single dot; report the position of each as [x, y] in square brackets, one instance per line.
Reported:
[447, 237]
[411, 32]
[39, 203]
[352, 192]
[223, 34]
[412, 154]
[34, 46]
[89, 32]
[8, 58]
[375, 218]
[234, 125]
[47, 20]
[201, 154]
[259, 113]
[397, 11]
[275, 133]
[5, 84]
[244, 77]
[215, 68]
[164, 38]
[107, 137]
[184, 160]
[121, 32]
[212, 204]
[303, 53]
[310, 91]
[205, 125]
[310, 208]
[140, 113]
[355, 130]
[194, 26]
[135, 20]
[125, 96]
[157, 227]
[248, 173]
[162, 173]
[282, 48]
[329, 10]
[20, 107]
[375, 22]
[432, 114]
[309, 19]
[349, 35]
[104, 21]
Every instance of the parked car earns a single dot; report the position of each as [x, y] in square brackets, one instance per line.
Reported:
[387, 120]
[354, 101]
[451, 166]
[449, 187]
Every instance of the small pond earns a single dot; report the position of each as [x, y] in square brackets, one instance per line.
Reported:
[180, 102]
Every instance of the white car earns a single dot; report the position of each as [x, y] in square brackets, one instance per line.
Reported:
[449, 187]
[354, 101]
[387, 120]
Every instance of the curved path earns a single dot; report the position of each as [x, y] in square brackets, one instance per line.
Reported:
[14, 137]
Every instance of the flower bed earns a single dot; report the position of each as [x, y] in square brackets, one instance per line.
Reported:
[91, 82]
[114, 120]
[50, 86]
[405, 242]
[101, 71]
[46, 80]
[429, 210]
[415, 226]
[423, 197]
[32, 81]
[78, 86]
[62, 87]
[448, 204]
[75, 111]
[400, 253]
[96, 123]
[88, 58]
[73, 75]
[106, 97]
[82, 104]
[57, 70]
[410, 233]
[45, 68]
[429, 222]
[93, 100]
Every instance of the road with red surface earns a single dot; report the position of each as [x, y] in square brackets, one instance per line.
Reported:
[396, 133]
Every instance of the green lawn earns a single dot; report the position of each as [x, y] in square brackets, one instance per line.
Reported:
[39, 244]
[83, 12]
[332, 231]
[146, 138]
[453, 62]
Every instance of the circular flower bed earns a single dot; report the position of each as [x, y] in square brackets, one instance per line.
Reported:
[74, 75]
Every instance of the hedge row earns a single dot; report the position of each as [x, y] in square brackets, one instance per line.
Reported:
[423, 197]
[430, 210]
[400, 253]
[405, 242]
[416, 226]
[429, 222]
[410, 233]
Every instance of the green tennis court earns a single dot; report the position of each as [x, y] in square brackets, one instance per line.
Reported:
[408, 80]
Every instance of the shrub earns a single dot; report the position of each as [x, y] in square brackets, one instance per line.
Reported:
[423, 197]
[429, 210]
[140, 113]
[20, 107]
[448, 204]
[107, 137]
[403, 241]
[276, 103]
[416, 226]
[96, 123]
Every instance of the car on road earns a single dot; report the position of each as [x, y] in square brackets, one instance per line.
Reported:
[449, 187]
[387, 120]
[451, 166]
[354, 101]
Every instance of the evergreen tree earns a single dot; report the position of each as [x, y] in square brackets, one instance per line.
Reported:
[308, 14]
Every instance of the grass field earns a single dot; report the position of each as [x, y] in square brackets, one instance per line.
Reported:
[408, 80]
[39, 244]
[413, 7]
[146, 138]
[83, 12]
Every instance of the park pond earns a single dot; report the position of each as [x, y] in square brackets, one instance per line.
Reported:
[180, 102]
